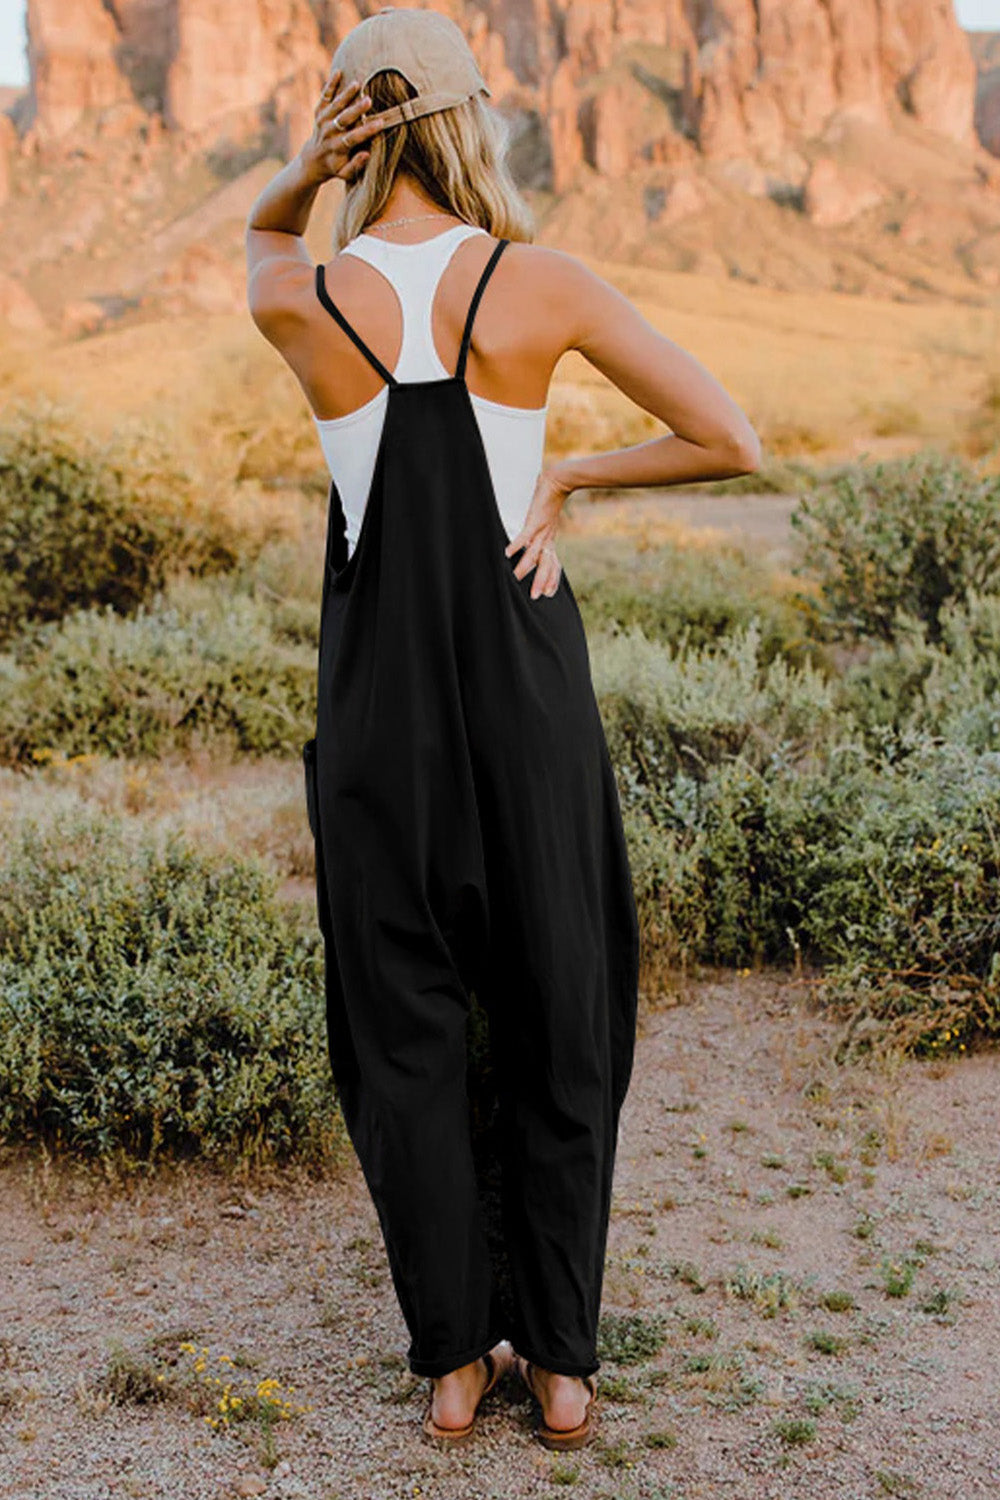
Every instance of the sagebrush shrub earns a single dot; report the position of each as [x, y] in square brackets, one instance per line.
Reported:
[948, 688]
[199, 663]
[88, 521]
[884, 875]
[675, 593]
[767, 822]
[154, 1001]
[682, 707]
[904, 537]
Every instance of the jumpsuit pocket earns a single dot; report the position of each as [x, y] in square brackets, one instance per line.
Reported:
[312, 810]
[309, 767]
[340, 581]
[523, 585]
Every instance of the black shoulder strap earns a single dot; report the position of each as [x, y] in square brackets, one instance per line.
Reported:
[356, 338]
[473, 305]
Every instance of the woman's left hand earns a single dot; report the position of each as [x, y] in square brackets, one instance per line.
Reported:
[538, 533]
[339, 129]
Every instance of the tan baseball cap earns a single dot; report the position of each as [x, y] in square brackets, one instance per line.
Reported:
[425, 46]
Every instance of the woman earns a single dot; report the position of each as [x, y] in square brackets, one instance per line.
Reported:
[468, 832]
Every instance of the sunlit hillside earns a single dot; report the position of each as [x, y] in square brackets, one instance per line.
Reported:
[822, 374]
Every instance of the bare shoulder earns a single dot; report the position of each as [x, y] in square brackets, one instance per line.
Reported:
[282, 291]
[280, 278]
[552, 269]
[560, 284]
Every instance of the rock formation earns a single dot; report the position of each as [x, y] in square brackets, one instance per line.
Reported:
[722, 136]
[18, 308]
[231, 57]
[609, 85]
[8, 145]
[986, 51]
[71, 57]
[833, 196]
[772, 70]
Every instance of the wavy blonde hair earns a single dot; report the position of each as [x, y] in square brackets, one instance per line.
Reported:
[457, 155]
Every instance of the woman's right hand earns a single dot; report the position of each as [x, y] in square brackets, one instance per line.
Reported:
[332, 149]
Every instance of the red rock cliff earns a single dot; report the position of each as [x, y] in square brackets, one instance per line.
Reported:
[608, 82]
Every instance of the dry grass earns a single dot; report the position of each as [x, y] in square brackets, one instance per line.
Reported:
[239, 806]
[821, 374]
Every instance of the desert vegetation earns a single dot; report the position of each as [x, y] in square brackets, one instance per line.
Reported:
[806, 761]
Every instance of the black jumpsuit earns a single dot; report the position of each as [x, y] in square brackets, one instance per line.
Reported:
[468, 841]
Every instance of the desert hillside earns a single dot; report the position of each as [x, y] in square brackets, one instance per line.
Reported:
[822, 180]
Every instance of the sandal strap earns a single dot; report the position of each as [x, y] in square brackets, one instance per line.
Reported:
[492, 1373]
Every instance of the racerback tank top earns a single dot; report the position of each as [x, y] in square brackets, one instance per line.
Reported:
[513, 436]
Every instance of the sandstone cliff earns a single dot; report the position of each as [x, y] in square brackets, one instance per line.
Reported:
[608, 82]
[985, 47]
[844, 143]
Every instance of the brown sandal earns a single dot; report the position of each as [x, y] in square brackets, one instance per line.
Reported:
[448, 1436]
[563, 1437]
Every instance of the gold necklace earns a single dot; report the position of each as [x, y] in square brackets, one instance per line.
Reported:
[409, 219]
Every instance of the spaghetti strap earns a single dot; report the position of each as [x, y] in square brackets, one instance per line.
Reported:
[356, 338]
[473, 305]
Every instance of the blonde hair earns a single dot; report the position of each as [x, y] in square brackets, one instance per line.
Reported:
[457, 155]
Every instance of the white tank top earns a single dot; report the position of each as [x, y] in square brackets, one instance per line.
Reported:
[513, 436]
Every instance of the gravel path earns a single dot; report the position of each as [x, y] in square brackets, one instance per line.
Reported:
[759, 524]
[754, 1178]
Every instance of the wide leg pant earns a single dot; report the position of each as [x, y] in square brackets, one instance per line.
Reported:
[493, 1182]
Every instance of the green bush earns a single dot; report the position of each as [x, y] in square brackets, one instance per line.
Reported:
[911, 880]
[887, 876]
[89, 522]
[200, 662]
[765, 826]
[676, 594]
[724, 867]
[900, 538]
[154, 1001]
[287, 575]
[949, 688]
[668, 709]
[903, 905]
[695, 734]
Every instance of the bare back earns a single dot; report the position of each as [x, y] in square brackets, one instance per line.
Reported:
[543, 302]
[521, 330]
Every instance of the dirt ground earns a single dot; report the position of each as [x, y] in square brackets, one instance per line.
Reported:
[756, 525]
[755, 1178]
